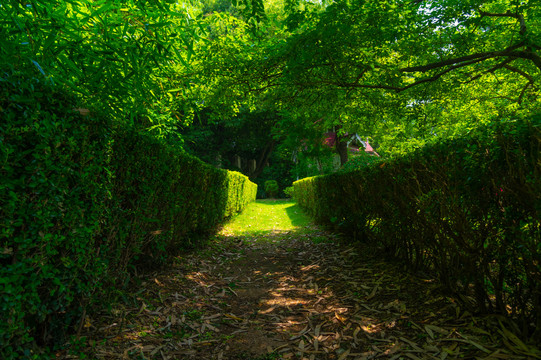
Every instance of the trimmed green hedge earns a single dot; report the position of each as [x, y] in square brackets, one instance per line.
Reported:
[164, 199]
[469, 209]
[53, 183]
[83, 203]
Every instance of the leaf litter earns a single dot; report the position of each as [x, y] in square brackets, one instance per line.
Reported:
[281, 295]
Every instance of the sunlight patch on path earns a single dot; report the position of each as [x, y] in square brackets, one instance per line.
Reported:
[266, 217]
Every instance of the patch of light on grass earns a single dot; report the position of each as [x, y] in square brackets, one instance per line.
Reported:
[265, 217]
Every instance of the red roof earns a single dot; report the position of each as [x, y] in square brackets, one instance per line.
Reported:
[368, 147]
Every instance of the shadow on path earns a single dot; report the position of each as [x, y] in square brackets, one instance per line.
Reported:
[286, 296]
[296, 215]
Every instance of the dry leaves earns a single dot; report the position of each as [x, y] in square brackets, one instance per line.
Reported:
[284, 297]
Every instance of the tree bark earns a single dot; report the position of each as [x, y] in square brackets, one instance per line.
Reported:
[263, 158]
[341, 148]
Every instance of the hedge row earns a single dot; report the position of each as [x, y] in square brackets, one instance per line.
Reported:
[83, 203]
[468, 209]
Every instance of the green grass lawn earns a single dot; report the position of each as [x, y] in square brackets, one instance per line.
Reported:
[266, 216]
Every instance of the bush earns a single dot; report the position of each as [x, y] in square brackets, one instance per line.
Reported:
[241, 192]
[469, 209]
[289, 191]
[359, 161]
[271, 188]
[164, 199]
[83, 202]
[53, 182]
[279, 169]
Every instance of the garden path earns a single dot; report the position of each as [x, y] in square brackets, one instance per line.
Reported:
[290, 291]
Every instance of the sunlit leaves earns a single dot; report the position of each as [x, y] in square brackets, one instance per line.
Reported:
[109, 52]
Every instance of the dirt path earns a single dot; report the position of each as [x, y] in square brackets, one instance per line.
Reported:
[291, 296]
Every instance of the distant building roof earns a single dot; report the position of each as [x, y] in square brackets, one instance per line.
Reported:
[330, 141]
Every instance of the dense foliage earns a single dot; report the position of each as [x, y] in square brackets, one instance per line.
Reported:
[469, 209]
[99, 98]
[114, 55]
[85, 202]
[271, 188]
[398, 71]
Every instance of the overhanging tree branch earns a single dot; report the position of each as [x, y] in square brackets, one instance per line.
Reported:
[491, 70]
[465, 60]
[347, 70]
[528, 55]
[520, 72]
[517, 16]
[524, 74]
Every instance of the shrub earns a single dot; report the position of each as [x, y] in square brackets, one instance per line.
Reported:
[279, 169]
[53, 181]
[359, 161]
[469, 209]
[271, 188]
[289, 191]
[241, 192]
[84, 202]
[164, 199]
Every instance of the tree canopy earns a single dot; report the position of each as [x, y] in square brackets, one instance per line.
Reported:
[398, 71]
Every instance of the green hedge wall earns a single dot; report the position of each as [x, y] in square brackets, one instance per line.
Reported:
[469, 209]
[164, 199]
[83, 203]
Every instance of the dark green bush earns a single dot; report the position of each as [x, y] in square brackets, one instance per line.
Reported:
[82, 203]
[289, 191]
[469, 209]
[358, 161]
[271, 188]
[53, 182]
[278, 169]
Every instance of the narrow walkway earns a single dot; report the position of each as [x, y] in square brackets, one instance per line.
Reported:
[291, 293]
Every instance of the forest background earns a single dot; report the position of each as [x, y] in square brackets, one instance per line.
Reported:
[268, 80]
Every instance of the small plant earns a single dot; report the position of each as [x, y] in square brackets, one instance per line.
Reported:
[271, 188]
[194, 314]
[289, 191]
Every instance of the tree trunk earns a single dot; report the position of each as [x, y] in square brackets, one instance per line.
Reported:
[341, 148]
[263, 158]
